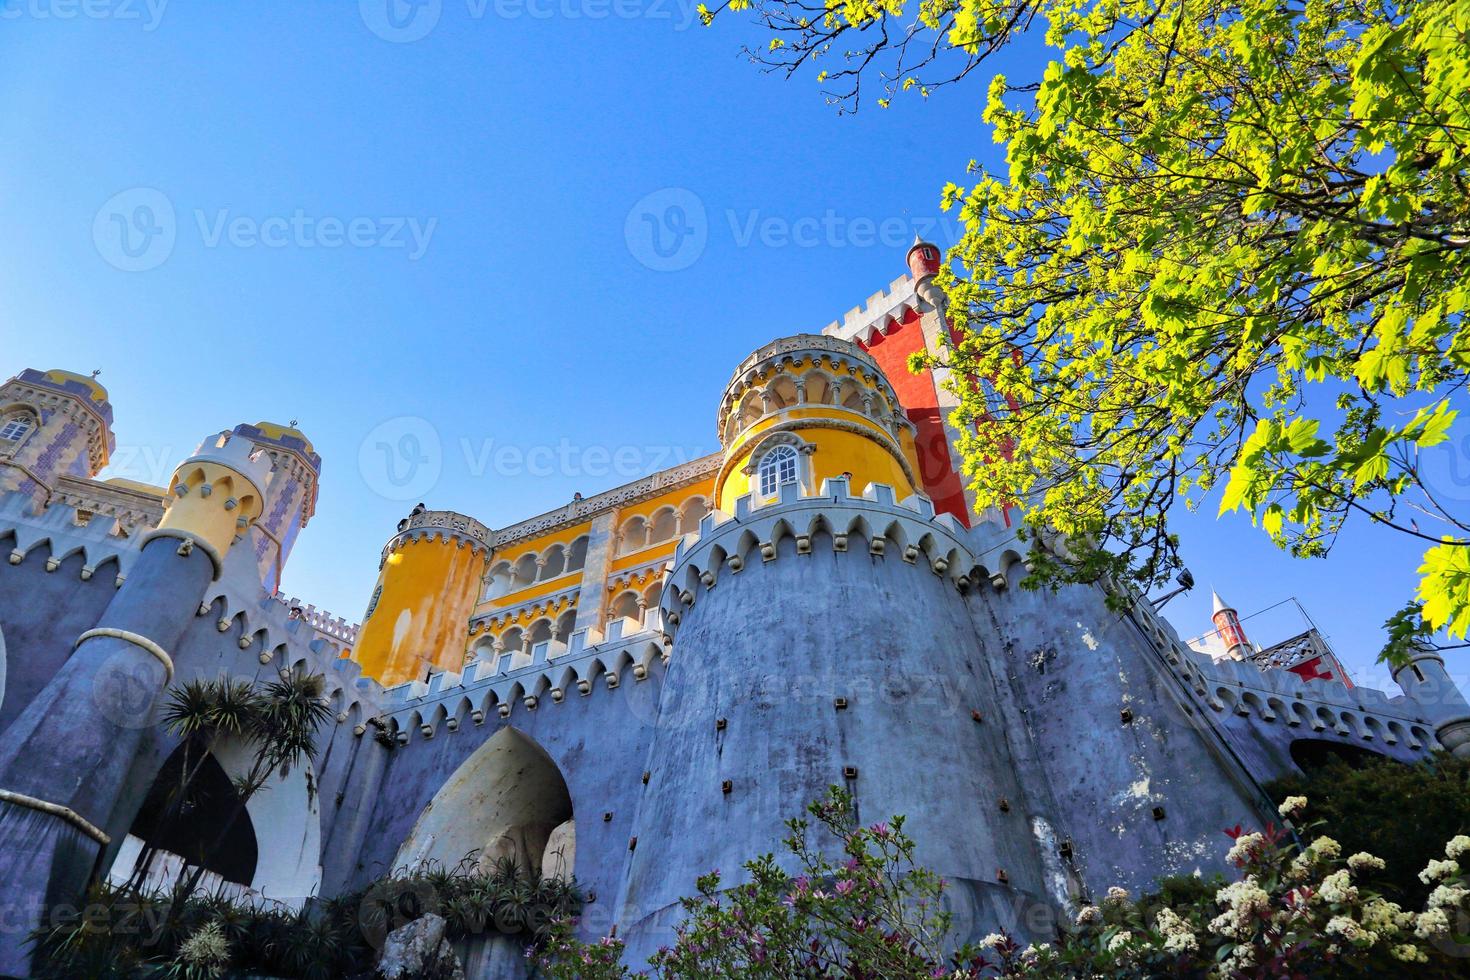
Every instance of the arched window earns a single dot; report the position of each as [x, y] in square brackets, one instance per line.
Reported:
[777, 467]
[15, 427]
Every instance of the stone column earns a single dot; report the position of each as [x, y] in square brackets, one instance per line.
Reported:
[601, 548]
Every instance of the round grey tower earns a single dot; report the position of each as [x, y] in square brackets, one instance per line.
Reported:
[821, 637]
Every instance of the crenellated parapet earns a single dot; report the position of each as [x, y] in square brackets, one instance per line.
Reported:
[1293, 706]
[442, 525]
[334, 628]
[879, 313]
[451, 700]
[907, 531]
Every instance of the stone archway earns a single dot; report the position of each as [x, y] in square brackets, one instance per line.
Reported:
[273, 848]
[508, 799]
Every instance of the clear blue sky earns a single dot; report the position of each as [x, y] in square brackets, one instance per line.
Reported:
[302, 147]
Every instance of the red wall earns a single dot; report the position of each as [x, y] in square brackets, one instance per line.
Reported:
[920, 401]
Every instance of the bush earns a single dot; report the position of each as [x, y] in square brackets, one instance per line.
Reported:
[121, 934]
[1402, 813]
[1296, 912]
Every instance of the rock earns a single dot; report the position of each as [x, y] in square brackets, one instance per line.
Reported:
[420, 951]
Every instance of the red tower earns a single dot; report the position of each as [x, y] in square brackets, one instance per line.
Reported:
[924, 259]
[1231, 633]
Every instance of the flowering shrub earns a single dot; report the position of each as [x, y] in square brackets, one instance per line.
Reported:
[1296, 911]
[868, 913]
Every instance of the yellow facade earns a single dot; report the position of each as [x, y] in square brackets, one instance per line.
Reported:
[420, 609]
[867, 459]
[438, 604]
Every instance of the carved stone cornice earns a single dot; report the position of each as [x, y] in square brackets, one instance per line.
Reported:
[581, 511]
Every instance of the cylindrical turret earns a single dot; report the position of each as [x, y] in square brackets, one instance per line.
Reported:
[925, 261]
[796, 666]
[805, 409]
[428, 582]
[1424, 679]
[290, 495]
[65, 759]
[1228, 628]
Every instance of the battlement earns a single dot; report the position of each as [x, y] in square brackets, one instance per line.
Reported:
[878, 314]
[444, 524]
[447, 700]
[322, 621]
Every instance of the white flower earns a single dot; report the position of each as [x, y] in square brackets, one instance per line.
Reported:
[1245, 846]
[1432, 923]
[1447, 897]
[1241, 958]
[991, 941]
[1292, 805]
[1089, 914]
[1458, 846]
[1245, 901]
[1409, 953]
[1119, 941]
[1337, 889]
[1116, 894]
[1178, 933]
[1435, 870]
[1324, 849]
[1341, 925]
[1385, 917]
[1363, 861]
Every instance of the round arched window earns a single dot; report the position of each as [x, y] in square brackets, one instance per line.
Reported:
[14, 427]
[777, 467]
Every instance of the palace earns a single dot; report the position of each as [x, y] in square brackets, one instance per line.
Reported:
[641, 685]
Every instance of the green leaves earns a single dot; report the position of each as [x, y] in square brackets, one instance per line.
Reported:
[1228, 250]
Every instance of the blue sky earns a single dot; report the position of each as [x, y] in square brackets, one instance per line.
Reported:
[444, 239]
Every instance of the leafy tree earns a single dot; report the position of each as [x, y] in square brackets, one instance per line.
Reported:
[1400, 813]
[1228, 254]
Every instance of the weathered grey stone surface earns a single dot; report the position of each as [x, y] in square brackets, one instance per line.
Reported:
[420, 951]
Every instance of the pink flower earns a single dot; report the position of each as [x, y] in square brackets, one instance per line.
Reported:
[880, 830]
[844, 887]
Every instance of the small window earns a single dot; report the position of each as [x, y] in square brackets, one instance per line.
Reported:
[372, 604]
[15, 428]
[778, 467]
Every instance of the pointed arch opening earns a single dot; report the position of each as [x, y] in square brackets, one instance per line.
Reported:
[507, 800]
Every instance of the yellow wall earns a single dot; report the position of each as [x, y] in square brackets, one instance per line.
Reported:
[837, 452]
[420, 620]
